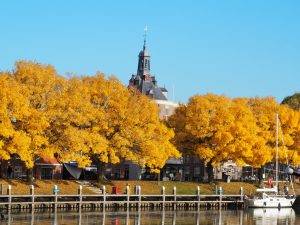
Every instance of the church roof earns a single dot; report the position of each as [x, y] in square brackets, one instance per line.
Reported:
[143, 80]
[148, 88]
[163, 89]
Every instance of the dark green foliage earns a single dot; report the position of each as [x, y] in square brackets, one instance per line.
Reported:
[292, 101]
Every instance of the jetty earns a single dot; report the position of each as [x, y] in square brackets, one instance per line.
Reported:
[127, 200]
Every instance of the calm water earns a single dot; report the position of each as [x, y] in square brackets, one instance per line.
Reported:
[207, 217]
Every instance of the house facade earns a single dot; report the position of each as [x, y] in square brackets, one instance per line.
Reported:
[44, 168]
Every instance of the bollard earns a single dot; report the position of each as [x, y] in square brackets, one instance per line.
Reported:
[163, 192]
[32, 196]
[9, 197]
[174, 193]
[220, 192]
[80, 197]
[55, 192]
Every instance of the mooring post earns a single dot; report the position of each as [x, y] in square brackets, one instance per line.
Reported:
[198, 197]
[174, 194]
[128, 196]
[55, 191]
[163, 192]
[80, 197]
[242, 193]
[220, 192]
[140, 196]
[104, 196]
[32, 196]
[9, 197]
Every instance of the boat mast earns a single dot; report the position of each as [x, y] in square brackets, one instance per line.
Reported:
[276, 169]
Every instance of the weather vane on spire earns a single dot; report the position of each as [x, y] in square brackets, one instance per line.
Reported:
[145, 35]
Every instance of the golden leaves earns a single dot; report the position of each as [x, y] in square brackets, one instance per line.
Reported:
[80, 119]
[217, 128]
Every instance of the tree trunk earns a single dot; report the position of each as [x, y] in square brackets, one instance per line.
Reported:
[30, 178]
[210, 172]
[260, 173]
[100, 171]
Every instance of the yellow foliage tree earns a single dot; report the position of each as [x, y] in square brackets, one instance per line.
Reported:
[37, 83]
[14, 108]
[217, 128]
[100, 120]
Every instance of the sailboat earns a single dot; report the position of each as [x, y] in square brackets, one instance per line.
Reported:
[270, 197]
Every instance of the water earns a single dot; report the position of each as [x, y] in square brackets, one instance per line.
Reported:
[205, 217]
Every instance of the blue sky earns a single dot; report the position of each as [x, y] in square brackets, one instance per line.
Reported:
[237, 48]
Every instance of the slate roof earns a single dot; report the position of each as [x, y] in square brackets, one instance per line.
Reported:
[143, 81]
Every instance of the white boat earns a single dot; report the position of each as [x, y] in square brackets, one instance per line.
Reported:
[270, 200]
[269, 197]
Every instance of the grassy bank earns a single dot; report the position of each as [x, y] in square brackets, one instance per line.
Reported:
[148, 187]
[43, 186]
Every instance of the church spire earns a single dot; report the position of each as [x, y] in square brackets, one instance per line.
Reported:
[145, 37]
[144, 60]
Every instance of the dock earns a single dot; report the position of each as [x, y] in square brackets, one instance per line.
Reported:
[108, 201]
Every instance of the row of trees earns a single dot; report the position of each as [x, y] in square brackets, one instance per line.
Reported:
[80, 119]
[218, 128]
[94, 119]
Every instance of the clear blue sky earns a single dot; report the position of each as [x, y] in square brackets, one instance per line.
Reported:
[232, 47]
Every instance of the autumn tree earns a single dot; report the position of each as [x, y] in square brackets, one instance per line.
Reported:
[265, 110]
[37, 83]
[292, 101]
[99, 120]
[14, 107]
[215, 128]
[130, 124]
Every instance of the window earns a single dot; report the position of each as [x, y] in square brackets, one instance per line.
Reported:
[117, 173]
[18, 171]
[47, 173]
[187, 170]
[126, 175]
[197, 171]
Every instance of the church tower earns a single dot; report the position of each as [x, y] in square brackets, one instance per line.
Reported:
[143, 80]
[144, 63]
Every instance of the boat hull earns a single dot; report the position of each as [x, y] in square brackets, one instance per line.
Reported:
[275, 202]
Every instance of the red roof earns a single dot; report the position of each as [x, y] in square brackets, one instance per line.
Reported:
[47, 160]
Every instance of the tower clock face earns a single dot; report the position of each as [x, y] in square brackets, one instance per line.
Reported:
[147, 77]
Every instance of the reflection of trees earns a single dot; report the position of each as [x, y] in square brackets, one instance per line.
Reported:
[200, 217]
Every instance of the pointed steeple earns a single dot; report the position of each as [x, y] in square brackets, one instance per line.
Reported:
[145, 36]
[143, 80]
[144, 61]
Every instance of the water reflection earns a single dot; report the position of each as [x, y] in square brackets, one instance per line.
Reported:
[207, 217]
